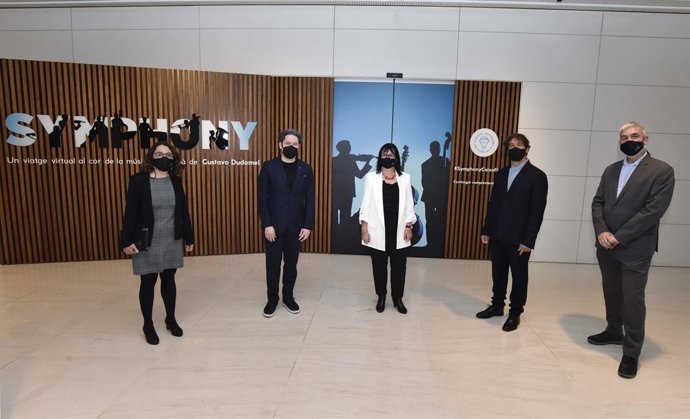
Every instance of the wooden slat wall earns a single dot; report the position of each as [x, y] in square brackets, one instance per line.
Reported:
[306, 104]
[478, 104]
[57, 213]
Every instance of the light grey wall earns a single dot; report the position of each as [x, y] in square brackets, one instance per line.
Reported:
[584, 74]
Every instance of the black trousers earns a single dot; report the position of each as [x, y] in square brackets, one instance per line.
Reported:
[505, 256]
[398, 264]
[284, 249]
[624, 279]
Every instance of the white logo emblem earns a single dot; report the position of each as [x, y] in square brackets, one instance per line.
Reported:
[484, 142]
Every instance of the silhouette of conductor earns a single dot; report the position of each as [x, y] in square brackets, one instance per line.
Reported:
[435, 172]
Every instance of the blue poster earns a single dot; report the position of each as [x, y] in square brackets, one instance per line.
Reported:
[417, 118]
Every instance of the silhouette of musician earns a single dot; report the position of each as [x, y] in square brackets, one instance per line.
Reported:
[145, 133]
[101, 130]
[194, 126]
[56, 136]
[435, 172]
[345, 170]
[118, 131]
[221, 139]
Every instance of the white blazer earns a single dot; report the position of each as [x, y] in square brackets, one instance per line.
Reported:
[371, 210]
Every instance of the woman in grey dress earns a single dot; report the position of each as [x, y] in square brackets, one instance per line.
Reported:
[155, 224]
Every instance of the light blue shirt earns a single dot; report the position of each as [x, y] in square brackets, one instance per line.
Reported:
[626, 171]
[513, 172]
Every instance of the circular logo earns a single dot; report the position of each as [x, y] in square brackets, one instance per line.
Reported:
[484, 142]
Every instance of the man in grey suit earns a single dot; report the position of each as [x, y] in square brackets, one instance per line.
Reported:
[631, 199]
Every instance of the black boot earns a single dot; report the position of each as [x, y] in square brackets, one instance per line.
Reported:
[151, 335]
[381, 303]
[397, 302]
[175, 329]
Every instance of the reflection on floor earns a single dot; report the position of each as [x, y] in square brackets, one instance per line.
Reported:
[71, 345]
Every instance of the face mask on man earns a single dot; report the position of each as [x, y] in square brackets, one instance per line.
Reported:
[516, 154]
[290, 152]
[387, 162]
[163, 164]
[631, 148]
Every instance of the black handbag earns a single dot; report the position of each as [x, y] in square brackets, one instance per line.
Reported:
[141, 239]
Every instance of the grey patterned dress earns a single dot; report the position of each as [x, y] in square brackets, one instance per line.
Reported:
[165, 252]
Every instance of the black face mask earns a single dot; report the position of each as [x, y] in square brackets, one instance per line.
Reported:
[290, 152]
[163, 164]
[387, 162]
[517, 154]
[631, 148]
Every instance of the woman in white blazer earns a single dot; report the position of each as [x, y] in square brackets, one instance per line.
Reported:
[386, 219]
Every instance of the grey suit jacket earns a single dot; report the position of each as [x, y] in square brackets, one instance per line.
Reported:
[633, 217]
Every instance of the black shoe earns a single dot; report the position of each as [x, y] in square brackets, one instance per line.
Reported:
[291, 305]
[511, 324]
[605, 338]
[490, 311]
[381, 304]
[397, 303]
[628, 367]
[151, 335]
[174, 328]
[270, 308]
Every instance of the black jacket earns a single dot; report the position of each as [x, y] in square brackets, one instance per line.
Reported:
[514, 216]
[282, 207]
[139, 211]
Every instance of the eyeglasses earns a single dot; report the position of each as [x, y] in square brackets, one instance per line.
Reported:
[388, 155]
[159, 155]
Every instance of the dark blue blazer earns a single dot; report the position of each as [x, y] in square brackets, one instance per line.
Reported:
[282, 207]
[514, 216]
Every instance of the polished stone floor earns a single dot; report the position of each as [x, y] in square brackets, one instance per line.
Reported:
[71, 345]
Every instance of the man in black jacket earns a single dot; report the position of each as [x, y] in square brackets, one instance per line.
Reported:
[286, 208]
[513, 219]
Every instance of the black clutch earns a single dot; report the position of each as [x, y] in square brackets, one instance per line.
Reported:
[141, 239]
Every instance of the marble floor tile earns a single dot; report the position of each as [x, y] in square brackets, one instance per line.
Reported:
[71, 345]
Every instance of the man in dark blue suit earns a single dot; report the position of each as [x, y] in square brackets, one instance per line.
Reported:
[286, 208]
[513, 218]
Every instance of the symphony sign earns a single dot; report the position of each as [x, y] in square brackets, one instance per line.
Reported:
[113, 131]
[71, 136]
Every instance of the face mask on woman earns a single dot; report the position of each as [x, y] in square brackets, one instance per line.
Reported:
[163, 164]
[387, 162]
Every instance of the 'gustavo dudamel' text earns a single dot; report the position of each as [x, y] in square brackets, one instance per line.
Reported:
[231, 162]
